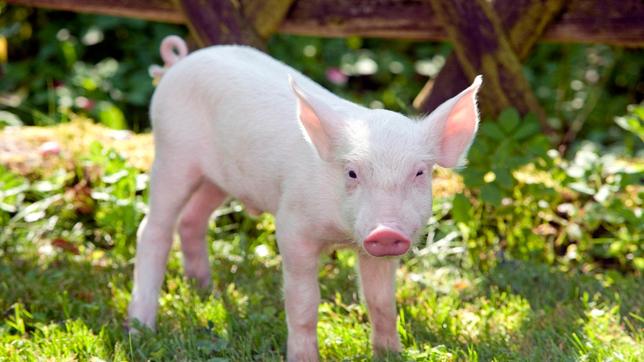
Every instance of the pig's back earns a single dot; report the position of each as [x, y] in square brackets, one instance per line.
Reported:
[232, 108]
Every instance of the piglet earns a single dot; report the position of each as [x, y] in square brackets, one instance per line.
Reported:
[232, 121]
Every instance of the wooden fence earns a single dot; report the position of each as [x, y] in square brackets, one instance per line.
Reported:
[489, 37]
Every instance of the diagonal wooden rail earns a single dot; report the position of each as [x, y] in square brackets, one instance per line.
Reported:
[523, 21]
[481, 46]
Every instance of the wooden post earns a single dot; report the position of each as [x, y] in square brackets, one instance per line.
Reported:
[249, 22]
[481, 46]
[219, 22]
[524, 22]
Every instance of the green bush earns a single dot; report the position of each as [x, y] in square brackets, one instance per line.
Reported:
[97, 206]
[62, 62]
[524, 200]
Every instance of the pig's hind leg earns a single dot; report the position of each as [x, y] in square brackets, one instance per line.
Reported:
[193, 226]
[172, 180]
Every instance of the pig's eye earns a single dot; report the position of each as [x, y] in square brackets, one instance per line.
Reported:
[353, 174]
[420, 173]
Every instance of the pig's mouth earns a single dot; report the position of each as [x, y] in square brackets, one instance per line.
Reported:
[386, 241]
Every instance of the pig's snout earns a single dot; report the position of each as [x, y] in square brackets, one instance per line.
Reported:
[385, 241]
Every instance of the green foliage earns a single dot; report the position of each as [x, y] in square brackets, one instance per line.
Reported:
[117, 191]
[582, 87]
[528, 202]
[65, 278]
[98, 205]
[375, 72]
[501, 147]
[86, 64]
[633, 122]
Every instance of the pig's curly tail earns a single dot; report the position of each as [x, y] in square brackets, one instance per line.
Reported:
[172, 50]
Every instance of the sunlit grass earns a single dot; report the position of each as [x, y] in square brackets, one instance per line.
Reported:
[70, 307]
[65, 282]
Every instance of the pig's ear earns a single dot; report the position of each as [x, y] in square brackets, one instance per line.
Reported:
[321, 122]
[450, 129]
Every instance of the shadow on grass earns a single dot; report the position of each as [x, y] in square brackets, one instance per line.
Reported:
[563, 303]
[78, 302]
[517, 311]
[66, 306]
[526, 311]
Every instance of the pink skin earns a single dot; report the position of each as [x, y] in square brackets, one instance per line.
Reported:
[173, 49]
[385, 241]
[378, 284]
[398, 211]
[329, 170]
[193, 224]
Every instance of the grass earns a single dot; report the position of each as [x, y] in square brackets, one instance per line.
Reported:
[66, 275]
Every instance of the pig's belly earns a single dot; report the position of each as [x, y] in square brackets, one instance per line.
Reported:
[258, 194]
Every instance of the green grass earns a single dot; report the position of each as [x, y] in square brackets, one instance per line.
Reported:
[66, 250]
[60, 306]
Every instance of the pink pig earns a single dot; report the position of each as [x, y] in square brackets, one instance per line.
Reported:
[232, 121]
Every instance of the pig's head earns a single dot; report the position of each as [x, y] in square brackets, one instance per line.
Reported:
[385, 159]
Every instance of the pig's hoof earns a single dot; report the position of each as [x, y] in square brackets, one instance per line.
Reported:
[385, 354]
[202, 284]
[135, 328]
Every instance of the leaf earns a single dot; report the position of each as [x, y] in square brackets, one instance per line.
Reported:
[461, 208]
[115, 177]
[111, 116]
[491, 194]
[509, 119]
[526, 130]
[473, 177]
[9, 119]
[631, 124]
[603, 193]
[582, 187]
[504, 154]
[504, 178]
[492, 131]
[537, 146]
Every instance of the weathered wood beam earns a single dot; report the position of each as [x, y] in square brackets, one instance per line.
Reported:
[599, 21]
[586, 21]
[264, 15]
[523, 21]
[412, 19]
[156, 10]
[481, 46]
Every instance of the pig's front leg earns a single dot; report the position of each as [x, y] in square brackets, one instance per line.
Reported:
[378, 282]
[302, 296]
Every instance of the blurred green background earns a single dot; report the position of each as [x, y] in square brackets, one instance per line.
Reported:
[60, 62]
